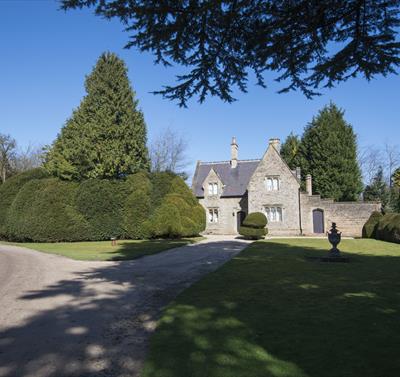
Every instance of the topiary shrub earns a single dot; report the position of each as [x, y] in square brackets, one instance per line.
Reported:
[391, 229]
[383, 225]
[166, 222]
[370, 227]
[161, 186]
[254, 226]
[9, 190]
[137, 206]
[255, 220]
[101, 203]
[43, 211]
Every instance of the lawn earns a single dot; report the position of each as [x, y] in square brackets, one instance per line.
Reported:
[269, 312]
[101, 251]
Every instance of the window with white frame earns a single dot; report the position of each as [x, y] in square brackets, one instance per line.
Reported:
[274, 214]
[213, 188]
[213, 215]
[272, 183]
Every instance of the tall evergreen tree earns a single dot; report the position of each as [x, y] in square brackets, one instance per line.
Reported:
[396, 178]
[378, 189]
[106, 135]
[291, 151]
[329, 149]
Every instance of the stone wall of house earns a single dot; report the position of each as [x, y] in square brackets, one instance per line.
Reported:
[350, 217]
[287, 197]
[228, 209]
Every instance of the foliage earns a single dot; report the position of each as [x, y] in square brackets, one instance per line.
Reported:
[254, 226]
[241, 321]
[255, 220]
[378, 189]
[220, 41]
[100, 202]
[388, 228]
[369, 228]
[291, 151]
[186, 217]
[43, 211]
[396, 178]
[329, 149]
[161, 186]
[10, 189]
[138, 206]
[106, 136]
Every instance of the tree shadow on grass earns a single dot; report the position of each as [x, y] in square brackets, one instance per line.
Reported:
[269, 312]
[100, 320]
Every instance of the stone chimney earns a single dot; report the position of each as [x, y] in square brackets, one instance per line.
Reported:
[234, 153]
[276, 143]
[309, 184]
[298, 173]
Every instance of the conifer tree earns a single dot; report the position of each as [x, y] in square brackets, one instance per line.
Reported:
[291, 151]
[329, 151]
[378, 189]
[106, 135]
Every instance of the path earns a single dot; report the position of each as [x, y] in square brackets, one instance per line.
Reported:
[60, 317]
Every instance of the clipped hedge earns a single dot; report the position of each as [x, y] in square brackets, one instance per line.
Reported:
[142, 206]
[254, 226]
[370, 227]
[9, 190]
[137, 206]
[388, 228]
[100, 202]
[43, 211]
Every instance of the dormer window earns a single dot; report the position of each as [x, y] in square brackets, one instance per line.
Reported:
[213, 188]
[272, 183]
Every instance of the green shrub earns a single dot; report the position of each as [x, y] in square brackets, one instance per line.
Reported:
[161, 186]
[255, 220]
[254, 226]
[137, 206]
[391, 228]
[252, 233]
[370, 227]
[101, 204]
[382, 227]
[166, 222]
[10, 189]
[43, 211]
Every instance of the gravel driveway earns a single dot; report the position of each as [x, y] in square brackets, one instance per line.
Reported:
[60, 317]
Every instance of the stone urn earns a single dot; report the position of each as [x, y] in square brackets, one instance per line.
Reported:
[334, 237]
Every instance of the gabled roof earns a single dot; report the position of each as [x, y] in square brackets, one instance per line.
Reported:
[235, 180]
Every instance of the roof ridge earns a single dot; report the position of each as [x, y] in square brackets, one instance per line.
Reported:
[226, 162]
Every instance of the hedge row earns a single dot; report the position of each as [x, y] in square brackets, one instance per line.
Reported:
[34, 207]
[383, 227]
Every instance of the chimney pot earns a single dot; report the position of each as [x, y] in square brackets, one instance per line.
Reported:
[309, 184]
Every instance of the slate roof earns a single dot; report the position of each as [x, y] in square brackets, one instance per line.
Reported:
[235, 180]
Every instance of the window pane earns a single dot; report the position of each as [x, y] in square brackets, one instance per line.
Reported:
[279, 213]
[215, 215]
[275, 184]
[210, 188]
[215, 192]
[273, 214]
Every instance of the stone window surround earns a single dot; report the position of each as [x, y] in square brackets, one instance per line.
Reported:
[277, 207]
[213, 188]
[274, 179]
[213, 215]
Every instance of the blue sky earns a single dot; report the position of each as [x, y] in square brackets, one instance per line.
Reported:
[46, 53]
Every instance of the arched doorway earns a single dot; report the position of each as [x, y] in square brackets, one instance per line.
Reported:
[318, 221]
[240, 216]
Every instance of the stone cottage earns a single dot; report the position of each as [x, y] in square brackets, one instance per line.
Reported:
[229, 190]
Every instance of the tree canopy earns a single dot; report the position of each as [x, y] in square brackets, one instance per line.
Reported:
[309, 44]
[106, 135]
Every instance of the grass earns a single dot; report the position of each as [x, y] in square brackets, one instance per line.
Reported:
[102, 251]
[270, 313]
